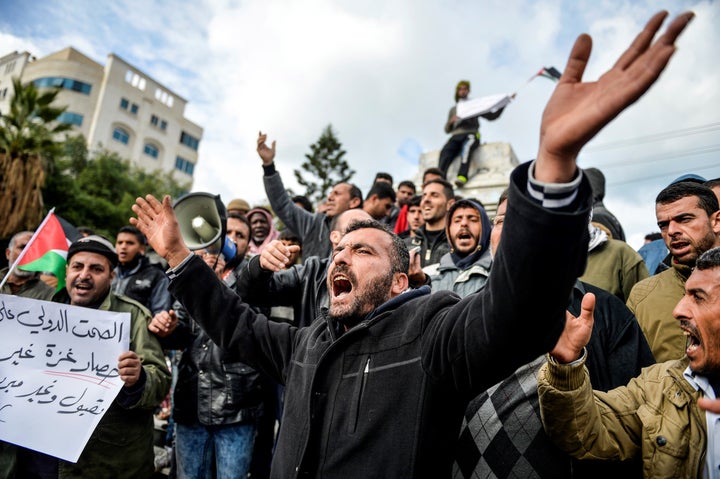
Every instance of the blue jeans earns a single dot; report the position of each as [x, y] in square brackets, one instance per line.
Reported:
[229, 446]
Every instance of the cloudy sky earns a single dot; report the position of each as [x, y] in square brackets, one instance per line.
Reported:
[383, 74]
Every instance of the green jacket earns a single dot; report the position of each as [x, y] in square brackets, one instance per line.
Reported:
[652, 301]
[34, 288]
[655, 416]
[122, 444]
[614, 266]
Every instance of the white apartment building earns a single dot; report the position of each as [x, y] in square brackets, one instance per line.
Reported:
[115, 105]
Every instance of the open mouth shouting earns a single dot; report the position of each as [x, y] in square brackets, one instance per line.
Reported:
[341, 285]
[693, 341]
[83, 285]
[464, 235]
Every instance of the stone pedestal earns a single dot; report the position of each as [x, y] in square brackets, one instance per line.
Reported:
[489, 174]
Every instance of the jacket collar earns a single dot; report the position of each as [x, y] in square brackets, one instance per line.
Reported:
[338, 329]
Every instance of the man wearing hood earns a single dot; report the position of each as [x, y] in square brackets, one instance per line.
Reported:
[263, 230]
[612, 265]
[600, 212]
[465, 268]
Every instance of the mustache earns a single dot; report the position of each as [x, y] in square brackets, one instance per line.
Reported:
[345, 271]
[689, 327]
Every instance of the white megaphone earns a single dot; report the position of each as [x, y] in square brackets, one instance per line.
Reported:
[202, 219]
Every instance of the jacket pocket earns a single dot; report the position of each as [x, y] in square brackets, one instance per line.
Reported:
[243, 386]
[360, 385]
[666, 439]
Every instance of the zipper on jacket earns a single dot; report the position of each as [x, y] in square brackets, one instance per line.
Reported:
[359, 391]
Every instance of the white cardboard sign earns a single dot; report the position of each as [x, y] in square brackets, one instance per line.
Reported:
[58, 372]
[479, 106]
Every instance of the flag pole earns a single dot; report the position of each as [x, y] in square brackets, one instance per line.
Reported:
[22, 253]
[526, 83]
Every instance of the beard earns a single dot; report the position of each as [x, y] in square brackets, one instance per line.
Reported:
[703, 244]
[376, 294]
[467, 250]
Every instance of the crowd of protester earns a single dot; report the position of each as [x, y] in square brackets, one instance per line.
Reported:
[406, 333]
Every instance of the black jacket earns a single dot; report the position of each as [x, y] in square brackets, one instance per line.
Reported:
[213, 386]
[429, 253]
[386, 398]
[146, 283]
[303, 287]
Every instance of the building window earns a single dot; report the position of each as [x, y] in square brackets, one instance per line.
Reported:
[70, 117]
[151, 150]
[132, 108]
[121, 135]
[189, 140]
[164, 97]
[65, 83]
[184, 165]
[3, 93]
[135, 80]
[158, 122]
[10, 67]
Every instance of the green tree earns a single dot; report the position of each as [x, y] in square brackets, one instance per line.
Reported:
[326, 166]
[27, 148]
[98, 189]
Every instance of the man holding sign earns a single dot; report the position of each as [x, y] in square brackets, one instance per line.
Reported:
[121, 445]
[465, 132]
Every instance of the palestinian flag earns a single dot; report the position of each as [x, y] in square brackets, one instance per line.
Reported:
[550, 72]
[47, 249]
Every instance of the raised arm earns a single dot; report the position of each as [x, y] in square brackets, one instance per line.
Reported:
[521, 311]
[293, 216]
[266, 153]
[158, 223]
[577, 111]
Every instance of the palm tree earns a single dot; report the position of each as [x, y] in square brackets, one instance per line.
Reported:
[27, 145]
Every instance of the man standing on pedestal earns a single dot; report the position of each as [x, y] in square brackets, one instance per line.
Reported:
[463, 132]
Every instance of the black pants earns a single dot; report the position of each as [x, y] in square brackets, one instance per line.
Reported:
[454, 147]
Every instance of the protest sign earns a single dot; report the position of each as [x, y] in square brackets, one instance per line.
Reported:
[58, 372]
[480, 106]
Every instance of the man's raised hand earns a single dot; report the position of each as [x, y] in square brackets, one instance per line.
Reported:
[267, 154]
[577, 111]
[577, 332]
[158, 223]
